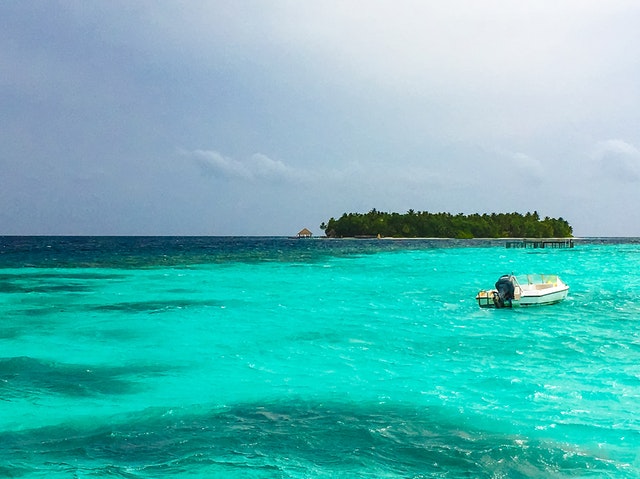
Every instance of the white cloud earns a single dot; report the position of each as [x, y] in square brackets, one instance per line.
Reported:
[258, 167]
[264, 167]
[352, 175]
[616, 146]
[518, 168]
[616, 159]
[528, 166]
[213, 163]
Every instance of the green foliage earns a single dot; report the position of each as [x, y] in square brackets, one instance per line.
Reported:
[422, 224]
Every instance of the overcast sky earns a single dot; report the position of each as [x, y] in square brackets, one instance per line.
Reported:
[264, 117]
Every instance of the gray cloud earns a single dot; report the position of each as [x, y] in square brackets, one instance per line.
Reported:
[429, 105]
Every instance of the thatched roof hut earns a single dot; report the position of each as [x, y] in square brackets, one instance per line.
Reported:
[305, 233]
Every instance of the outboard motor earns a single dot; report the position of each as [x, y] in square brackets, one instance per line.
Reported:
[505, 288]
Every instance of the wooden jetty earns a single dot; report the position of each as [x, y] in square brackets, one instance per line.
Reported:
[541, 243]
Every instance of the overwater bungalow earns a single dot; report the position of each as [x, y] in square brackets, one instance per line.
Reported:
[305, 233]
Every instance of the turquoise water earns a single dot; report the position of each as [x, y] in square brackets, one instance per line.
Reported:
[278, 358]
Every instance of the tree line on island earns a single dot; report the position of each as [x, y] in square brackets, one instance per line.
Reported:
[422, 224]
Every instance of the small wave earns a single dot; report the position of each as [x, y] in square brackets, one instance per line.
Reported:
[337, 438]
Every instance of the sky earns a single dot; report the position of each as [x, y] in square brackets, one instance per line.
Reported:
[265, 117]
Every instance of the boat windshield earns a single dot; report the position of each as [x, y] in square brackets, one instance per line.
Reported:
[537, 279]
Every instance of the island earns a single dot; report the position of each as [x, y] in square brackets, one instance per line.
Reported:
[423, 224]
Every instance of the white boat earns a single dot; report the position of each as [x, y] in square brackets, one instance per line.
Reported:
[529, 290]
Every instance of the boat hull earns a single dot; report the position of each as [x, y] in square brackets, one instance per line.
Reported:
[550, 297]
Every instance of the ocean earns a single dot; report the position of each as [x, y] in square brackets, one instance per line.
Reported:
[161, 357]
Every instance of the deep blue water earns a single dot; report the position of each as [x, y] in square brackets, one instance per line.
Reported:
[271, 357]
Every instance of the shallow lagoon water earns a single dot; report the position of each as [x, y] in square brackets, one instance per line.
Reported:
[271, 357]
